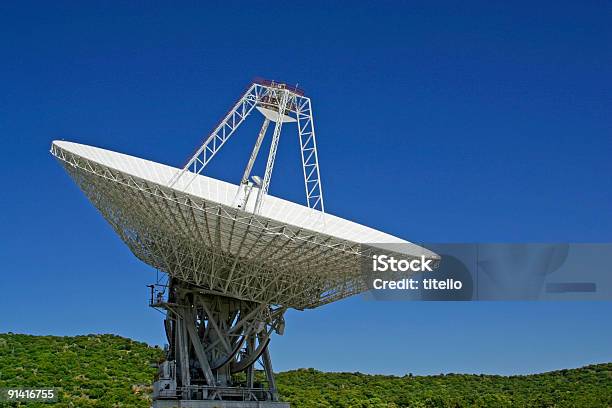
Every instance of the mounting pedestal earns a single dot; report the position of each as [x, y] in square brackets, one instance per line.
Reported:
[215, 343]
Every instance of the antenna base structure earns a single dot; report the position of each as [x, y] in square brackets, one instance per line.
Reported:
[235, 257]
[216, 344]
[215, 341]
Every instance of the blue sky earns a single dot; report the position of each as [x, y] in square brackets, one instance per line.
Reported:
[443, 123]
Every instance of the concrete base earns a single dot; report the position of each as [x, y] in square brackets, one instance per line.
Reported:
[217, 404]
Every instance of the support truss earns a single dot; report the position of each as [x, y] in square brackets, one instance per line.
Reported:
[212, 340]
[310, 160]
[221, 134]
[278, 103]
[284, 99]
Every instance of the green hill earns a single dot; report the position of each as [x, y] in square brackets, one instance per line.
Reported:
[111, 371]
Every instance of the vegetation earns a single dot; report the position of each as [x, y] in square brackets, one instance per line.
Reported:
[585, 387]
[91, 371]
[111, 371]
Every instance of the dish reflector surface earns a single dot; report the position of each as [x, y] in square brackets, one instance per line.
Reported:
[289, 254]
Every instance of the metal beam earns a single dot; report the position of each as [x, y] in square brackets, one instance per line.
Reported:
[310, 159]
[198, 348]
[255, 152]
[267, 363]
[222, 132]
[272, 154]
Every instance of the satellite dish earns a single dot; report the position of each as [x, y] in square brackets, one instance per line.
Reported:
[235, 261]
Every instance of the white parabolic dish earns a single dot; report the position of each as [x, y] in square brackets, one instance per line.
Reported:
[288, 254]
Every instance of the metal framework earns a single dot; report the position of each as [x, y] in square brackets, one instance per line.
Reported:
[232, 272]
[215, 344]
[277, 102]
[310, 160]
[218, 247]
[218, 255]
